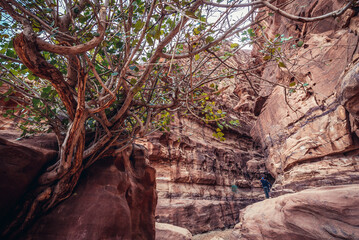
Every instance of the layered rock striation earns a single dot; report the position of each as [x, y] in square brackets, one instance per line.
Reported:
[310, 135]
[203, 182]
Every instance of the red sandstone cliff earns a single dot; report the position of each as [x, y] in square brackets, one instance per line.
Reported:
[310, 137]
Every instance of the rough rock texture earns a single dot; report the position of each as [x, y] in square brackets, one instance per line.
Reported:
[309, 136]
[166, 231]
[6, 105]
[196, 171]
[319, 213]
[20, 163]
[110, 201]
[214, 235]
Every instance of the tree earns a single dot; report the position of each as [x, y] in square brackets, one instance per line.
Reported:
[114, 71]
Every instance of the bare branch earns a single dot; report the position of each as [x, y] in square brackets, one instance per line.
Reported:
[307, 19]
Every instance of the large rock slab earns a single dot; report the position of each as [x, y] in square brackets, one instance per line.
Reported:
[313, 214]
[20, 164]
[166, 231]
[110, 202]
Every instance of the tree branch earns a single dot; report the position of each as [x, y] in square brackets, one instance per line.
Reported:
[307, 19]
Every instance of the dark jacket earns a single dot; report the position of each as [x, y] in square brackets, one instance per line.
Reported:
[265, 183]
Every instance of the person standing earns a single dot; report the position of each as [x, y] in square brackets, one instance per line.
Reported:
[266, 186]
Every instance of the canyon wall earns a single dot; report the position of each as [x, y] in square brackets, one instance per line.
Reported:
[310, 134]
[202, 182]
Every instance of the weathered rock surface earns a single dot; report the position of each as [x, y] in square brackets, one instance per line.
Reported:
[308, 135]
[20, 164]
[166, 231]
[318, 213]
[196, 171]
[214, 235]
[7, 104]
[110, 201]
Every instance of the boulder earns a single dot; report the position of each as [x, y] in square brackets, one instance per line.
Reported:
[168, 232]
[110, 202]
[313, 214]
[20, 164]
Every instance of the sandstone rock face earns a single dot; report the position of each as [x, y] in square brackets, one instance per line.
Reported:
[20, 164]
[309, 135]
[7, 105]
[319, 213]
[167, 231]
[110, 202]
[196, 171]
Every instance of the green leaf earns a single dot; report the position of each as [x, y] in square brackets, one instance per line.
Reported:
[149, 40]
[251, 32]
[35, 102]
[139, 25]
[196, 57]
[134, 68]
[133, 81]
[45, 92]
[270, 14]
[267, 57]
[114, 74]
[196, 31]
[281, 64]
[96, 34]
[234, 45]
[209, 39]
[305, 84]
[157, 35]
[300, 43]
[191, 14]
[76, 10]
[292, 84]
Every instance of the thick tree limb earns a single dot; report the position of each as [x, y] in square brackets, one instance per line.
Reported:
[31, 57]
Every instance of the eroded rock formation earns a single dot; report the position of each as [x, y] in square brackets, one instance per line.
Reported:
[309, 135]
[318, 213]
[166, 231]
[110, 201]
[20, 163]
[196, 171]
